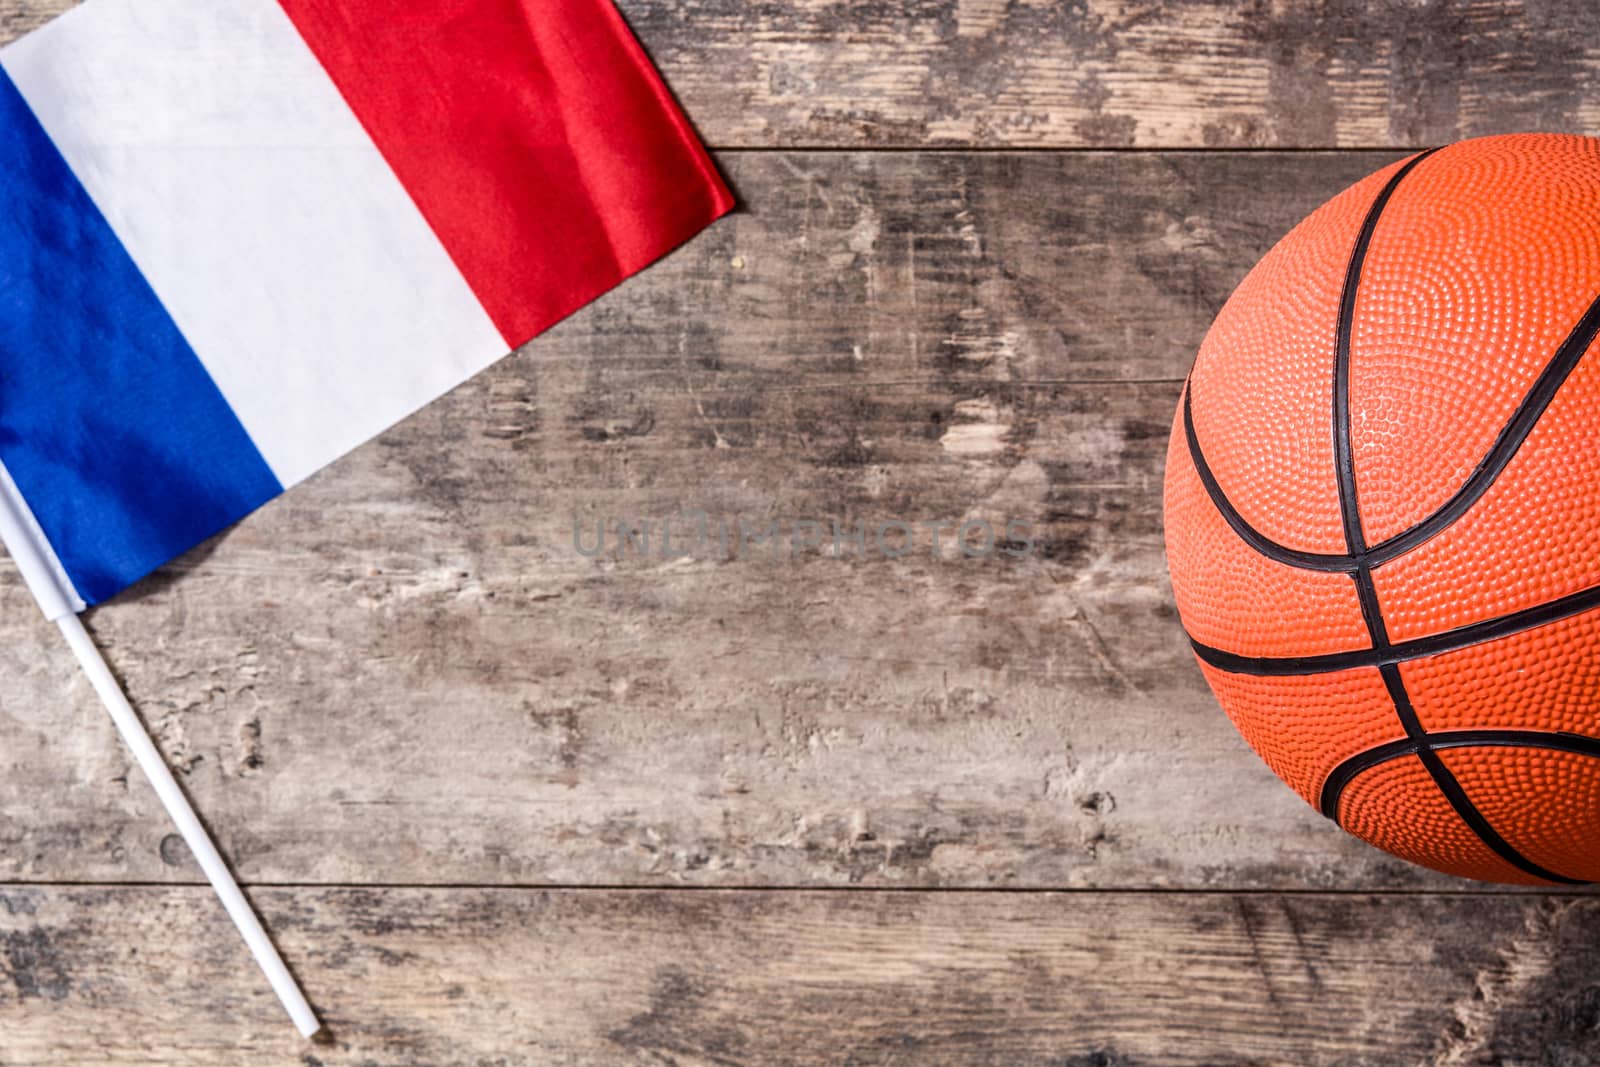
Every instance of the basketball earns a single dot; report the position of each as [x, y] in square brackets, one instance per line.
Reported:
[1382, 509]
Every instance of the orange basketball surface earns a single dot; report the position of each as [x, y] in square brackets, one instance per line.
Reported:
[1383, 508]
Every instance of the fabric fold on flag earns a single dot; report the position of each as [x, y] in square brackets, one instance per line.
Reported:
[241, 237]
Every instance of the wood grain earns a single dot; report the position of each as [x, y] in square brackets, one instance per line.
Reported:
[92, 976]
[1109, 73]
[404, 697]
[404, 671]
[1125, 73]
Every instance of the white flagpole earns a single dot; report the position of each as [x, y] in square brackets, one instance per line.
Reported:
[194, 834]
[37, 563]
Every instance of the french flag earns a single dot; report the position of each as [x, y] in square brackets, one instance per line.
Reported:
[240, 237]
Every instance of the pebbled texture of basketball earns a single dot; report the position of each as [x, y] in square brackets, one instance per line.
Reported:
[1383, 509]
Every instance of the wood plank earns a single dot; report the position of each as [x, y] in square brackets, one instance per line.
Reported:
[18, 17]
[144, 976]
[1124, 73]
[1109, 73]
[404, 671]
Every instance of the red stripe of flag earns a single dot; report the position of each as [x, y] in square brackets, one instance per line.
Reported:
[534, 135]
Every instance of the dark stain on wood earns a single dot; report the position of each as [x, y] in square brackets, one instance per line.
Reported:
[34, 964]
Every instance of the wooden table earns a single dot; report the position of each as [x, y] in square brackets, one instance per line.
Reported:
[504, 803]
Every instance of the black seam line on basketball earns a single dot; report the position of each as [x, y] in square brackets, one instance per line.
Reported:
[1404, 651]
[1448, 785]
[1371, 612]
[1311, 561]
[1344, 457]
[1506, 444]
[1352, 559]
[1343, 453]
[1355, 543]
[1469, 813]
[1349, 504]
[1340, 777]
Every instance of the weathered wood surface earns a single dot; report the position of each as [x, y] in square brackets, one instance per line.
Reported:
[1110, 73]
[468, 977]
[403, 671]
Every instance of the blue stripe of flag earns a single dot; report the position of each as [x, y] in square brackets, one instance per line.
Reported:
[111, 427]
